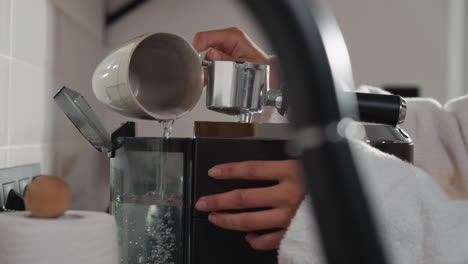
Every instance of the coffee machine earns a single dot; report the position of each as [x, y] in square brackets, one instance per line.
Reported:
[155, 182]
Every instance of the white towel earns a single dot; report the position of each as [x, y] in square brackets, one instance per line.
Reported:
[418, 222]
[440, 134]
[421, 209]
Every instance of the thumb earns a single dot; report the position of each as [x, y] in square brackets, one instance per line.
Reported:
[213, 54]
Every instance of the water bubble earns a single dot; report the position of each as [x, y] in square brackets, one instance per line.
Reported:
[154, 233]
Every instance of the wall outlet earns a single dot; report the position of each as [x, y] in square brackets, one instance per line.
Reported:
[17, 178]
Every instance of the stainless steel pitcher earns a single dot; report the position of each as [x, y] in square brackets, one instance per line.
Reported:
[240, 88]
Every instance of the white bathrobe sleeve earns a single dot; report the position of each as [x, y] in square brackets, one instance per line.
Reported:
[420, 220]
[440, 136]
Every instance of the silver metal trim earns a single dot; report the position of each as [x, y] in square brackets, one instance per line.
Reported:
[403, 109]
[274, 98]
[246, 118]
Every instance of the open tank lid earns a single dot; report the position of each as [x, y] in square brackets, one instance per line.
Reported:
[84, 118]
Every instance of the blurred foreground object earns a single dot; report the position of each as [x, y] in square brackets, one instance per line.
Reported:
[48, 197]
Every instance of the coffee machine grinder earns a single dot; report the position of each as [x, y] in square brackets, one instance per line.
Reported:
[155, 182]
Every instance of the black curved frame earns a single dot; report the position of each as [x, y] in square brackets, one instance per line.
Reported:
[347, 229]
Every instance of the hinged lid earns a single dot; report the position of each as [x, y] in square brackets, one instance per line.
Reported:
[83, 117]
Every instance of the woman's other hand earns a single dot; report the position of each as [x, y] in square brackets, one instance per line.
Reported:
[230, 44]
[283, 199]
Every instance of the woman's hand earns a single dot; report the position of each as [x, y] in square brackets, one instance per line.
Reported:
[283, 199]
[230, 44]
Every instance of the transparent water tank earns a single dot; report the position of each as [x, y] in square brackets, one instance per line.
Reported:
[147, 186]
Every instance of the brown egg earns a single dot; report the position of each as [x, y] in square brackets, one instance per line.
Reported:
[47, 197]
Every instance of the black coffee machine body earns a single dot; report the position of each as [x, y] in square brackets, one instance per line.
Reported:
[134, 168]
[183, 164]
[155, 182]
[185, 161]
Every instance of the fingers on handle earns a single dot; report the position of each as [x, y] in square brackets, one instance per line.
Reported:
[224, 40]
[255, 170]
[265, 242]
[261, 220]
[213, 54]
[242, 199]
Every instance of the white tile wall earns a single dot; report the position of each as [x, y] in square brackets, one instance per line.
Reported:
[88, 14]
[29, 30]
[4, 84]
[45, 44]
[5, 26]
[3, 156]
[24, 53]
[22, 155]
[26, 110]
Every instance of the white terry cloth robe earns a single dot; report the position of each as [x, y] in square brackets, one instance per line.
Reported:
[421, 210]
